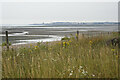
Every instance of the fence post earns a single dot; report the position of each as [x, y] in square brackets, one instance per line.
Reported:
[77, 35]
[7, 42]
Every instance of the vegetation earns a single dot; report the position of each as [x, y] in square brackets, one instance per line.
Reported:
[5, 44]
[69, 58]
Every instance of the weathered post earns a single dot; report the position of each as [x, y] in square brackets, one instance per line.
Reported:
[7, 42]
[77, 35]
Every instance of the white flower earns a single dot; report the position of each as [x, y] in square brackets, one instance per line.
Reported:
[83, 71]
[93, 75]
[70, 74]
[81, 67]
[18, 54]
[71, 71]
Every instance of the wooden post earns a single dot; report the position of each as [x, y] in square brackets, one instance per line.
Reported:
[7, 42]
[77, 35]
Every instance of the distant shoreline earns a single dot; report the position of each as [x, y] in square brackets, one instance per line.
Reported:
[89, 23]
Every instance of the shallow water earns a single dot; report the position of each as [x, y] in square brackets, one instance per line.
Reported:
[25, 34]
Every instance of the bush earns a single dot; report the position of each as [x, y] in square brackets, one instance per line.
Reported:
[65, 38]
[5, 44]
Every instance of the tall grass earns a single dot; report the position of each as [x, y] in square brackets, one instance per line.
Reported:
[85, 58]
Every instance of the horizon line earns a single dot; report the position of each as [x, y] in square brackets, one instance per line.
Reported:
[63, 21]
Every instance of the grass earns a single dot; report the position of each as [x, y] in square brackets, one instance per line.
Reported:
[85, 58]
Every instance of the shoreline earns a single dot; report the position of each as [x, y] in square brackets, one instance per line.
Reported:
[29, 45]
[49, 43]
[54, 41]
[18, 35]
[80, 36]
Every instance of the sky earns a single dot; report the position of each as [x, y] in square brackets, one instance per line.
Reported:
[39, 12]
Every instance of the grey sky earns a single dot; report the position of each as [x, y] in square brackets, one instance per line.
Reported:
[38, 12]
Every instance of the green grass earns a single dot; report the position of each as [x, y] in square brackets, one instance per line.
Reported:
[85, 58]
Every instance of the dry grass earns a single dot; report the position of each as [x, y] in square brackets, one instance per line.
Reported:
[85, 58]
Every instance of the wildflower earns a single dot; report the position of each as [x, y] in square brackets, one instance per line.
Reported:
[70, 41]
[64, 44]
[35, 47]
[73, 67]
[70, 74]
[113, 50]
[67, 43]
[30, 51]
[76, 35]
[84, 72]
[93, 75]
[71, 71]
[18, 54]
[81, 67]
[90, 42]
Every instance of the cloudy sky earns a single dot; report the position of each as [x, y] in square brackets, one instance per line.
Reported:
[38, 12]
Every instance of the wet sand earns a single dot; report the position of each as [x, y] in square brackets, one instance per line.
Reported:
[35, 33]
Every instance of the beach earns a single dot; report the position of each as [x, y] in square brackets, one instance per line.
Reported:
[28, 34]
